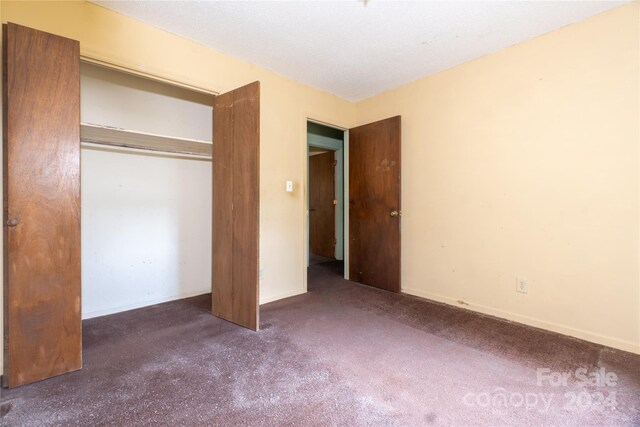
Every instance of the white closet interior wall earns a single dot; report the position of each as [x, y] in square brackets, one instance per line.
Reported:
[146, 216]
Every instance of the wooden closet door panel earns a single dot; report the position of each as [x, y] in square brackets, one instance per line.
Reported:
[222, 275]
[236, 187]
[246, 191]
[42, 304]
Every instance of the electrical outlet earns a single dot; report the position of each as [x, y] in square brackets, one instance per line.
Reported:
[522, 286]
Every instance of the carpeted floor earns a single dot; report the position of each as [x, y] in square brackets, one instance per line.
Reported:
[342, 354]
[318, 259]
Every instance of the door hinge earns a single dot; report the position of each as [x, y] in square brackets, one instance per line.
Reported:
[335, 163]
[335, 202]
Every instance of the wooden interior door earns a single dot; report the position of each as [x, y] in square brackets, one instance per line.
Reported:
[374, 204]
[236, 188]
[322, 207]
[42, 314]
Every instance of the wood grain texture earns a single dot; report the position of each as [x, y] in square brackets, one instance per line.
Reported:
[322, 211]
[374, 192]
[236, 161]
[105, 135]
[222, 228]
[42, 195]
[246, 191]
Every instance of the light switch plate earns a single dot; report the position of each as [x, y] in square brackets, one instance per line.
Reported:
[289, 186]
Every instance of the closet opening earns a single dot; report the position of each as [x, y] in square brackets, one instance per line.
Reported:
[110, 178]
[146, 191]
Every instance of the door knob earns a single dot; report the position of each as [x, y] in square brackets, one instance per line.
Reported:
[12, 222]
[394, 213]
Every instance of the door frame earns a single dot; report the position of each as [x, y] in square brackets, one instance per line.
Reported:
[344, 158]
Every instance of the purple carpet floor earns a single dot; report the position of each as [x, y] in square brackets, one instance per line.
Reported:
[342, 354]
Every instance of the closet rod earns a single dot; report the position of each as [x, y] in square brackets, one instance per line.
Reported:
[116, 137]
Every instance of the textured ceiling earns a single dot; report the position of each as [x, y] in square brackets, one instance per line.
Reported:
[356, 49]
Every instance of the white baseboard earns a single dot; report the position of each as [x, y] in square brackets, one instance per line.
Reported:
[146, 303]
[530, 321]
[140, 304]
[272, 298]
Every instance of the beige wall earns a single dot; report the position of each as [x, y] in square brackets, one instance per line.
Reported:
[521, 163]
[525, 163]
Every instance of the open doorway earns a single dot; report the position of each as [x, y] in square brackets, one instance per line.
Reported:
[325, 197]
[366, 202]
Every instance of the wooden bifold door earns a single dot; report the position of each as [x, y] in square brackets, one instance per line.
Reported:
[236, 188]
[41, 98]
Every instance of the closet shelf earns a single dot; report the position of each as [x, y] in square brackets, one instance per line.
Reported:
[106, 135]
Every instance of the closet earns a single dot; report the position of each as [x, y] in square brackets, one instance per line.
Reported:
[146, 196]
[48, 264]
